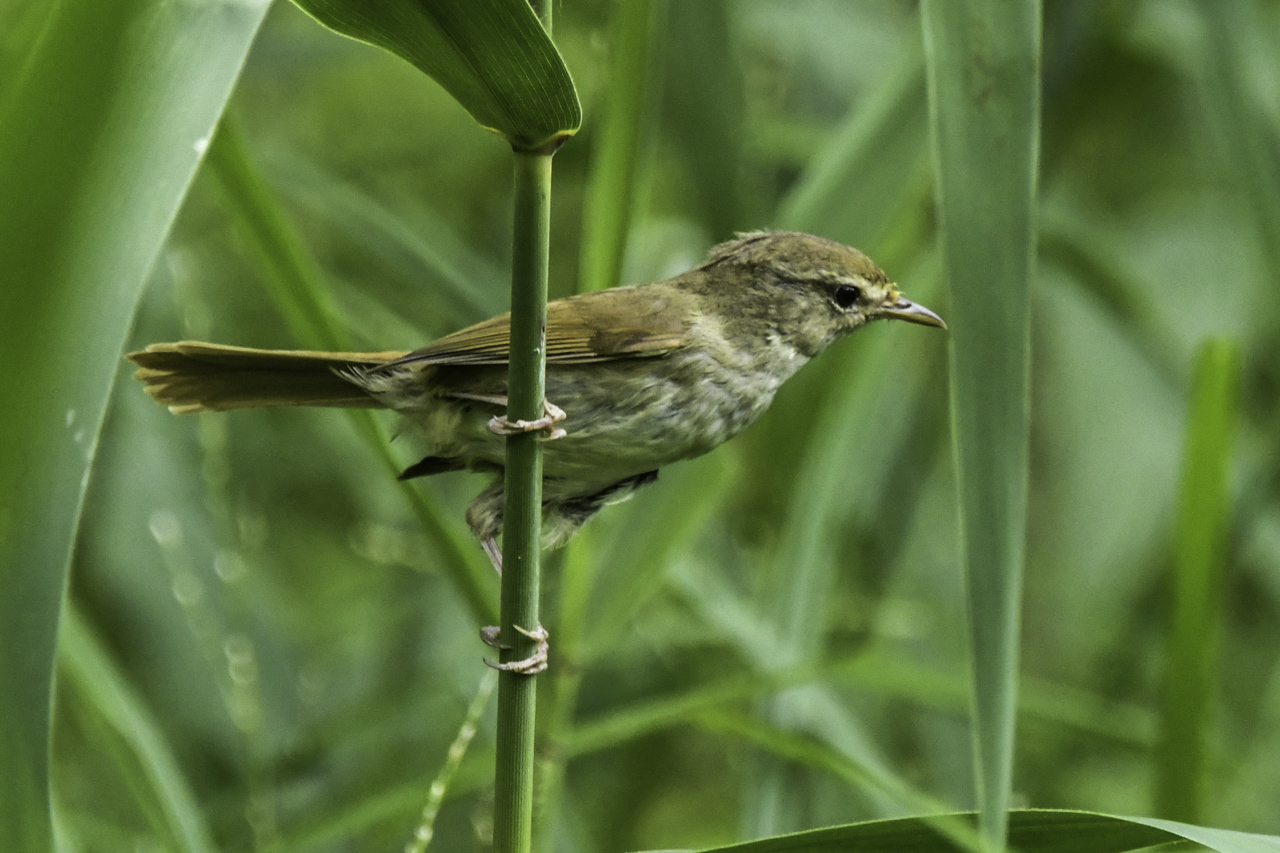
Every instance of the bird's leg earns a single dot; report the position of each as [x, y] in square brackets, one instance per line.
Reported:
[535, 663]
[490, 634]
[551, 415]
[490, 546]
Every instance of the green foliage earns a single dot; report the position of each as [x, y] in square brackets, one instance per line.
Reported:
[492, 55]
[100, 132]
[278, 641]
[1199, 582]
[1042, 831]
[983, 59]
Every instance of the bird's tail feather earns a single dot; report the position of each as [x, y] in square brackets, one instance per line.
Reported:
[197, 377]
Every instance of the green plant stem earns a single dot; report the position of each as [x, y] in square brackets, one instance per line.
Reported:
[577, 579]
[522, 516]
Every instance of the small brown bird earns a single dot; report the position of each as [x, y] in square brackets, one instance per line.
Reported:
[637, 377]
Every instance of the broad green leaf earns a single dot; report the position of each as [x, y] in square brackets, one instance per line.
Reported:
[102, 686]
[99, 139]
[983, 63]
[1199, 579]
[1030, 831]
[492, 55]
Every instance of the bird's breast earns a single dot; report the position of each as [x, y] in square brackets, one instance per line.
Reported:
[637, 415]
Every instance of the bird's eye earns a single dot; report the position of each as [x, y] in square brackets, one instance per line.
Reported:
[847, 296]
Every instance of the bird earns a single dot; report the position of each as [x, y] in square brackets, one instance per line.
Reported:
[637, 377]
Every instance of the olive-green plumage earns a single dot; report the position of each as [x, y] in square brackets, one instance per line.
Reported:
[647, 375]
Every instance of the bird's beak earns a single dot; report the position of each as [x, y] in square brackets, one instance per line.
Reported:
[905, 309]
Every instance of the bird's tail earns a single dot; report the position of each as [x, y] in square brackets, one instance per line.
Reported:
[197, 377]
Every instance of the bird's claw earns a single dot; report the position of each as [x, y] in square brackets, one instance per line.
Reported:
[552, 415]
[490, 546]
[535, 663]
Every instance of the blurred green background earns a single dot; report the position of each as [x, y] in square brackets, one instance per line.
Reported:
[771, 637]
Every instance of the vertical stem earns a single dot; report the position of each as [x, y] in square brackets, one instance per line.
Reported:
[522, 512]
[522, 520]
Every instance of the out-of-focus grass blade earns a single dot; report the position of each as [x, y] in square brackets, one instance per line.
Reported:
[288, 270]
[640, 718]
[298, 289]
[1200, 552]
[858, 425]
[703, 107]
[1082, 251]
[1030, 831]
[983, 63]
[1241, 39]
[808, 751]
[615, 166]
[638, 559]
[872, 673]
[493, 56]
[399, 804]
[425, 830]
[99, 138]
[100, 684]
[853, 188]
[421, 247]
[879, 154]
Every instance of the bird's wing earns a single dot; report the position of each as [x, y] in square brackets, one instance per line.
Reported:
[628, 322]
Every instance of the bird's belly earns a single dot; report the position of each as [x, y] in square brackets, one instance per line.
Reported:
[625, 418]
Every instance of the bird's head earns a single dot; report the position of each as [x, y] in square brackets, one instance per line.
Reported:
[811, 289]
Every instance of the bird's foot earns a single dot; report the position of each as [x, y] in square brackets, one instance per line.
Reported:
[552, 415]
[535, 663]
[490, 546]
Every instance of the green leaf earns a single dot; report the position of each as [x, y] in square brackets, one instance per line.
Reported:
[417, 244]
[288, 270]
[1238, 41]
[1030, 831]
[703, 109]
[300, 292]
[99, 139]
[1199, 576]
[104, 687]
[611, 193]
[862, 775]
[492, 55]
[875, 155]
[983, 63]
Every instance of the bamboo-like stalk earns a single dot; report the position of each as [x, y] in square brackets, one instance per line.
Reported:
[522, 513]
[522, 518]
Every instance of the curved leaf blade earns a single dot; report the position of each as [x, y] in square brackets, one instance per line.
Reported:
[105, 688]
[98, 139]
[493, 56]
[1030, 831]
